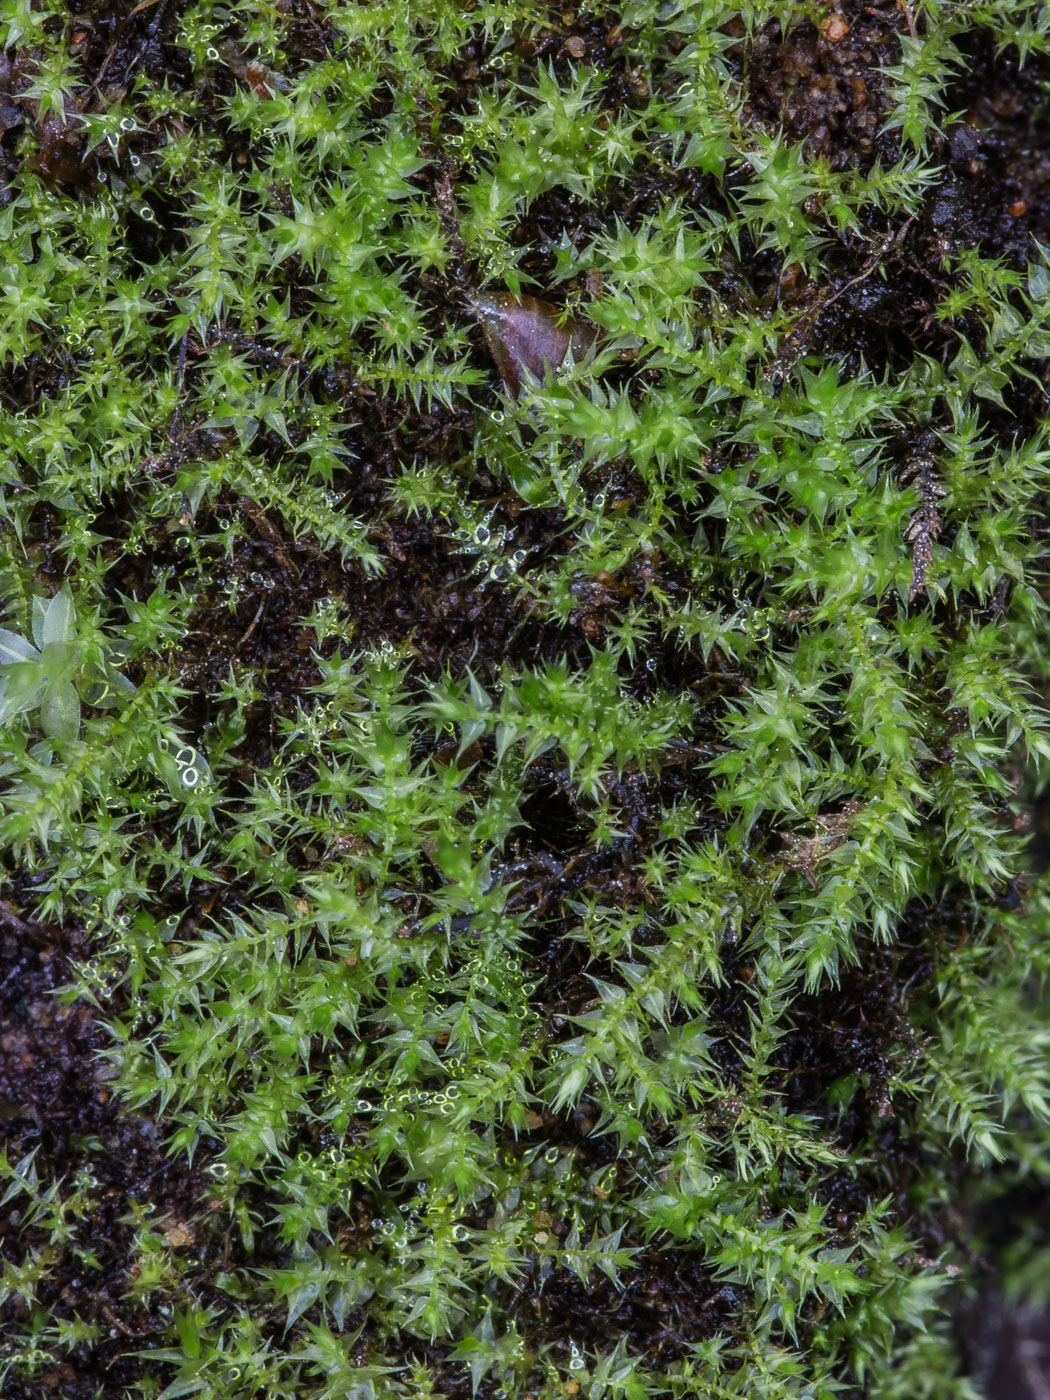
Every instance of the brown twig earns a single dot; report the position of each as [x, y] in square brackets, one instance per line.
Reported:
[798, 336]
[145, 5]
[254, 623]
[925, 524]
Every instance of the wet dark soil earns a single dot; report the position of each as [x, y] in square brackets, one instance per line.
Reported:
[822, 85]
[59, 1121]
[108, 1175]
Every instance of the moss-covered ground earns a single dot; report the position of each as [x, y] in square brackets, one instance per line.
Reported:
[523, 542]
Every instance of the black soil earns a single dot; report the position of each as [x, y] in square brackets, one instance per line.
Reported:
[57, 1113]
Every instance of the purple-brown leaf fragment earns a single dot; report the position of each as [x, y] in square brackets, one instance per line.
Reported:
[524, 333]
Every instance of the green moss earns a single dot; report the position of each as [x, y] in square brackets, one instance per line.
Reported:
[652, 922]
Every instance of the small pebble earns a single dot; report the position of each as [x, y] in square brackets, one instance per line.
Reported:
[576, 47]
[834, 28]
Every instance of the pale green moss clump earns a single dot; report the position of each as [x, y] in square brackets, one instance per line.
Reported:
[630, 987]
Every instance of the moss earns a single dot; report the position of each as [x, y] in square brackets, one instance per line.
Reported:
[515, 824]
